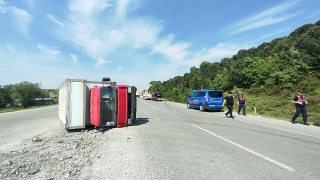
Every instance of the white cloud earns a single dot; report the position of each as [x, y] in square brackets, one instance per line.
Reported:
[48, 51]
[101, 61]
[51, 17]
[88, 8]
[31, 3]
[99, 33]
[22, 19]
[3, 7]
[271, 16]
[22, 14]
[122, 8]
[274, 34]
[119, 68]
[215, 54]
[143, 32]
[74, 59]
[174, 52]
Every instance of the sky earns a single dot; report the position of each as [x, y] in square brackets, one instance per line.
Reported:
[134, 41]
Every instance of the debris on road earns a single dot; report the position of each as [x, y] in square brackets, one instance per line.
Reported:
[61, 155]
[36, 139]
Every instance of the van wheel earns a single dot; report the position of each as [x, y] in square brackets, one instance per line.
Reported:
[201, 108]
[188, 106]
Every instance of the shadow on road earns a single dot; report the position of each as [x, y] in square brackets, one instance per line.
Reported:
[141, 121]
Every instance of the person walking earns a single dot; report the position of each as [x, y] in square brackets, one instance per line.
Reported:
[301, 107]
[229, 101]
[242, 104]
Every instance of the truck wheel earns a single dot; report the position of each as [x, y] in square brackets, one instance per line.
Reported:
[133, 105]
[188, 106]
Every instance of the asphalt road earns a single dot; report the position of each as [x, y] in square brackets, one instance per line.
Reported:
[173, 142]
[18, 126]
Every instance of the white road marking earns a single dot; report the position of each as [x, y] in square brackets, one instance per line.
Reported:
[280, 129]
[150, 105]
[248, 150]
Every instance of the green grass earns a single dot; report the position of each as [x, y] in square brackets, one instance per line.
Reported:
[18, 108]
[282, 108]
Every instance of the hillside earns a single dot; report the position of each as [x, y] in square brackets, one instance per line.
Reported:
[268, 75]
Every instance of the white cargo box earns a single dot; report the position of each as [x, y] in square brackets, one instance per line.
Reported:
[74, 102]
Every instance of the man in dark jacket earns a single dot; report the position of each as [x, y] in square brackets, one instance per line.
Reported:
[229, 101]
[301, 107]
[242, 104]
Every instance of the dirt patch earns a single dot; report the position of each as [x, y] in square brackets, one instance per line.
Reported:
[57, 154]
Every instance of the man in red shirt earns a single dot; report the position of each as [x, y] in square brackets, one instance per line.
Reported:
[242, 104]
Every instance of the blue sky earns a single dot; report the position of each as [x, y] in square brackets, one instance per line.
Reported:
[134, 41]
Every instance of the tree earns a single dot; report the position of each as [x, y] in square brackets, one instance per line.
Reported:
[221, 81]
[257, 71]
[25, 92]
[5, 92]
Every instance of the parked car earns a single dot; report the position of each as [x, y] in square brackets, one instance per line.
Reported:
[206, 100]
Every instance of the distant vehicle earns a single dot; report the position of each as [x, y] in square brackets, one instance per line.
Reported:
[156, 96]
[146, 96]
[206, 100]
[137, 94]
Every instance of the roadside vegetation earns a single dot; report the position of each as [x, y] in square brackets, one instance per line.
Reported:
[269, 76]
[25, 95]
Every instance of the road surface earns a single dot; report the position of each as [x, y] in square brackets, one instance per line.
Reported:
[173, 142]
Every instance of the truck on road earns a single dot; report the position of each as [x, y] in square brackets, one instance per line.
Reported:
[156, 96]
[146, 96]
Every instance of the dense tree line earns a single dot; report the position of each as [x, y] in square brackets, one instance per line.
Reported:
[21, 94]
[282, 65]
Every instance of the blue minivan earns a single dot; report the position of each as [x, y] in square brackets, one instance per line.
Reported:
[206, 100]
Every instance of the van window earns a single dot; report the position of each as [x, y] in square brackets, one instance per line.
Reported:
[197, 94]
[215, 93]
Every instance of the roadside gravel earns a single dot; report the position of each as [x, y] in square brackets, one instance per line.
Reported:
[56, 154]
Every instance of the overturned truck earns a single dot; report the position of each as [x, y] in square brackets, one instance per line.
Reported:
[98, 103]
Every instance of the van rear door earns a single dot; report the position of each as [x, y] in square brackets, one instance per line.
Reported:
[215, 99]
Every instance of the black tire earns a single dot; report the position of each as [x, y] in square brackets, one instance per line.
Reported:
[133, 105]
[188, 106]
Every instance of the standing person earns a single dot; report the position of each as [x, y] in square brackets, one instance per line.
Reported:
[229, 101]
[301, 107]
[242, 104]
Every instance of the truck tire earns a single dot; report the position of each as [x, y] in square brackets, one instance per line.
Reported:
[133, 105]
